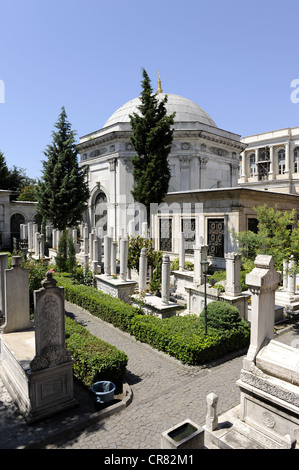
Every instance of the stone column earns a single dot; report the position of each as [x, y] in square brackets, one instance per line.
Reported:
[132, 228]
[113, 256]
[123, 258]
[42, 246]
[285, 274]
[107, 255]
[3, 267]
[243, 166]
[200, 253]
[165, 291]
[272, 169]
[90, 246]
[58, 236]
[95, 256]
[287, 160]
[291, 288]
[182, 252]
[74, 237]
[263, 280]
[233, 268]
[54, 238]
[30, 235]
[211, 418]
[85, 240]
[36, 243]
[142, 270]
[25, 231]
[34, 231]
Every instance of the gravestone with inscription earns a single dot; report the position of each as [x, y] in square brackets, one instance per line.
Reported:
[35, 365]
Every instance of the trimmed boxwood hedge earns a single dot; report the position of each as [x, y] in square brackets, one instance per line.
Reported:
[182, 337]
[109, 309]
[95, 359]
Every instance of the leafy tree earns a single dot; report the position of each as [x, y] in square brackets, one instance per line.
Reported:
[27, 194]
[63, 191]
[275, 237]
[14, 179]
[152, 137]
[18, 179]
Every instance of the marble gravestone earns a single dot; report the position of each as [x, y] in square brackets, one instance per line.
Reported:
[268, 414]
[35, 365]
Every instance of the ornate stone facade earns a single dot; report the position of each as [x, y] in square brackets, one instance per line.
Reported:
[202, 156]
[271, 161]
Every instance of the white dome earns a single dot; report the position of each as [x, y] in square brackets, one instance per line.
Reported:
[186, 111]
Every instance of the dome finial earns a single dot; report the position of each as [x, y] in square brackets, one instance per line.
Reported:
[159, 84]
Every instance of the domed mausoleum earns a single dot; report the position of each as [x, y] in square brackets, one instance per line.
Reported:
[202, 156]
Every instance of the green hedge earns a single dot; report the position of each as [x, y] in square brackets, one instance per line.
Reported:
[184, 338]
[110, 309]
[95, 359]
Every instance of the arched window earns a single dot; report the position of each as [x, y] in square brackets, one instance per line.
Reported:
[252, 163]
[281, 157]
[101, 212]
[296, 160]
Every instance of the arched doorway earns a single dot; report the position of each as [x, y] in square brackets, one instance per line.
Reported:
[100, 206]
[15, 221]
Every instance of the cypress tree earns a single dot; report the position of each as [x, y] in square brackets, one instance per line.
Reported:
[63, 191]
[4, 173]
[152, 137]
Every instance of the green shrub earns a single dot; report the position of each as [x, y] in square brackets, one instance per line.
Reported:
[175, 265]
[222, 316]
[37, 272]
[95, 359]
[82, 276]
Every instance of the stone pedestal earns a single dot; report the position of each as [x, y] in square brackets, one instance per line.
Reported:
[116, 287]
[153, 305]
[38, 394]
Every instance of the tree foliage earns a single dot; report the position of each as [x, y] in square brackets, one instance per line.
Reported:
[276, 236]
[152, 137]
[27, 194]
[13, 179]
[63, 191]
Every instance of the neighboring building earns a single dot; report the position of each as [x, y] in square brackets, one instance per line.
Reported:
[12, 214]
[212, 217]
[271, 161]
[202, 157]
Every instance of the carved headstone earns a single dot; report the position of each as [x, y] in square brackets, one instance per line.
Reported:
[49, 326]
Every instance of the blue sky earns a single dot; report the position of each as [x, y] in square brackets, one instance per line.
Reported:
[235, 59]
